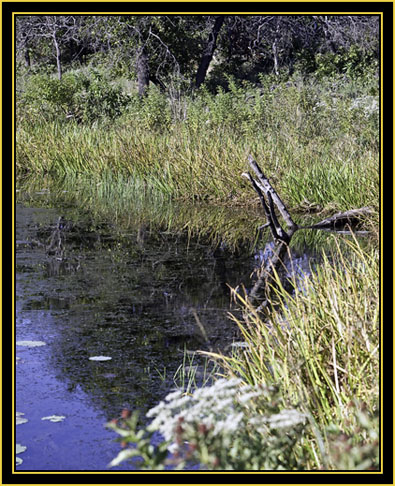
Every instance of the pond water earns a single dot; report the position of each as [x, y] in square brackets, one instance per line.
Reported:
[141, 299]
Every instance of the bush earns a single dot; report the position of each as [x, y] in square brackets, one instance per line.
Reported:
[222, 427]
[233, 426]
[84, 97]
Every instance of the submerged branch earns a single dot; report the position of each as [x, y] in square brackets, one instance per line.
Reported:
[268, 196]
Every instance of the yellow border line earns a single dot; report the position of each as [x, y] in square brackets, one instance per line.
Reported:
[261, 12]
[13, 215]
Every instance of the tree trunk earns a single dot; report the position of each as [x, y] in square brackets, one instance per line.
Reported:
[275, 50]
[209, 51]
[27, 58]
[142, 71]
[58, 57]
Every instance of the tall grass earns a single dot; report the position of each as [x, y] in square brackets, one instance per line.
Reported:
[312, 139]
[321, 345]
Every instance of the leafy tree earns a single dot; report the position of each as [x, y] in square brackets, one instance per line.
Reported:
[191, 48]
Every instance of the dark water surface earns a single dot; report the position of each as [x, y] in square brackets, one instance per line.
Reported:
[143, 298]
[133, 298]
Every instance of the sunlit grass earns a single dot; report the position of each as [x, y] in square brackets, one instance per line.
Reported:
[313, 149]
[321, 345]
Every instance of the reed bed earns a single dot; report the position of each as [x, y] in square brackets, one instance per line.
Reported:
[315, 147]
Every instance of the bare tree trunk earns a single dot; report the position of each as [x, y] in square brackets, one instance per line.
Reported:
[209, 51]
[27, 58]
[142, 71]
[58, 56]
[275, 50]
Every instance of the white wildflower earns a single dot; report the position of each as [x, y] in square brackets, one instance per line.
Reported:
[173, 395]
[249, 396]
[230, 425]
[285, 419]
[156, 410]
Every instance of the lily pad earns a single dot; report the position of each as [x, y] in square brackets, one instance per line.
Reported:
[100, 358]
[54, 418]
[30, 344]
[18, 461]
[20, 448]
[20, 419]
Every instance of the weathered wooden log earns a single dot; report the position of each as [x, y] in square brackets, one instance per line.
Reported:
[263, 188]
[269, 190]
[340, 220]
[277, 232]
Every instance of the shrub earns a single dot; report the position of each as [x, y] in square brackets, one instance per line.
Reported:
[233, 426]
[80, 96]
[222, 427]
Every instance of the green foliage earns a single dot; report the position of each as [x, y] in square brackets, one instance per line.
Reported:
[82, 96]
[353, 62]
[231, 426]
[320, 344]
[153, 111]
[222, 427]
[49, 98]
[99, 100]
[319, 140]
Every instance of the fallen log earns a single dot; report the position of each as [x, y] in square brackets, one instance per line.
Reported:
[351, 218]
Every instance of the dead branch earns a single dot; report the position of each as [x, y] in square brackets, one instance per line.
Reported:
[351, 217]
[259, 294]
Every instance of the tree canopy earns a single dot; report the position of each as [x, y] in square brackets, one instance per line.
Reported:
[191, 48]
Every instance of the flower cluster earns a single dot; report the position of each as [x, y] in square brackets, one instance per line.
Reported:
[227, 426]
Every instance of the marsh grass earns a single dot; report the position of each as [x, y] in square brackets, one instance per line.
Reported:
[313, 141]
[318, 143]
[321, 345]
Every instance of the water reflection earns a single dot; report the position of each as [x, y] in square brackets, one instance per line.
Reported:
[140, 297]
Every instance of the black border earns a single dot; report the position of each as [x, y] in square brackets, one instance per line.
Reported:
[180, 477]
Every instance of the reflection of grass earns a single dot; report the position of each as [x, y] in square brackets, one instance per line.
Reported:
[130, 204]
[321, 345]
[309, 138]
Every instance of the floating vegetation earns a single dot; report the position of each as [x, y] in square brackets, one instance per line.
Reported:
[30, 344]
[19, 419]
[54, 418]
[100, 358]
[18, 461]
[20, 448]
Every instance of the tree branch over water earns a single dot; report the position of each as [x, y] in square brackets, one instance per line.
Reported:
[282, 238]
